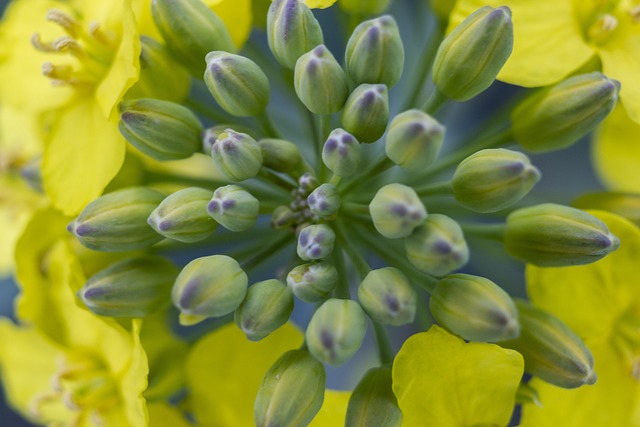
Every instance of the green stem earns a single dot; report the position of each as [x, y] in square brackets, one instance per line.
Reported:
[208, 111]
[434, 189]
[358, 261]
[157, 177]
[270, 129]
[485, 231]
[266, 252]
[323, 127]
[342, 290]
[356, 208]
[385, 351]
[270, 176]
[435, 101]
[380, 166]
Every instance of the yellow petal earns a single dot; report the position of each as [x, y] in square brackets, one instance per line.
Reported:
[334, 409]
[442, 381]
[163, 415]
[319, 4]
[20, 133]
[133, 379]
[237, 16]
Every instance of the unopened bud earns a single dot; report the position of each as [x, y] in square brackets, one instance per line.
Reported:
[315, 242]
[282, 217]
[396, 210]
[366, 113]
[364, 7]
[266, 307]
[280, 155]
[236, 155]
[324, 201]
[234, 208]
[373, 403]
[312, 282]
[320, 82]
[210, 135]
[388, 297]
[414, 140]
[307, 183]
[341, 153]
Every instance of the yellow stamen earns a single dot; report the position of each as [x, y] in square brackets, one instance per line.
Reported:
[635, 13]
[601, 30]
[98, 34]
[69, 24]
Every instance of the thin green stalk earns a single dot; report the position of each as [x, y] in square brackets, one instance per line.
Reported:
[271, 177]
[435, 101]
[434, 189]
[380, 166]
[356, 208]
[267, 124]
[485, 231]
[323, 127]
[358, 261]
[208, 111]
[266, 252]
[385, 352]
[342, 290]
[157, 177]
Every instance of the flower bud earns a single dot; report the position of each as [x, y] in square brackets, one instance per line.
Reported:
[162, 130]
[551, 235]
[132, 287]
[280, 155]
[312, 282]
[336, 331]
[471, 56]
[210, 286]
[375, 53]
[237, 83]
[320, 82]
[414, 140]
[396, 210]
[324, 201]
[234, 208]
[210, 135]
[474, 308]
[266, 307]
[366, 113]
[364, 7]
[373, 403]
[291, 392]
[282, 217]
[341, 153]
[236, 155]
[438, 246]
[183, 216]
[191, 30]
[292, 31]
[559, 116]
[117, 222]
[551, 350]
[388, 297]
[315, 242]
[494, 179]
[307, 183]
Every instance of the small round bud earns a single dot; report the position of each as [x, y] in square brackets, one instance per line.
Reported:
[388, 297]
[210, 135]
[364, 7]
[551, 235]
[266, 307]
[324, 201]
[396, 210]
[438, 246]
[315, 242]
[336, 331]
[494, 179]
[280, 155]
[117, 222]
[307, 183]
[237, 83]
[474, 308]
[373, 403]
[236, 155]
[341, 153]
[282, 217]
[414, 140]
[234, 208]
[312, 282]
[366, 113]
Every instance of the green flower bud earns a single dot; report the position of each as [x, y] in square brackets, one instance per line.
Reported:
[375, 53]
[315, 242]
[366, 113]
[396, 210]
[282, 217]
[234, 208]
[388, 297]
[474, 308]
[341, 153]
[324, 201]
[237, 83]
[364, 7]
[266, 307]
[336, 331]
[292, 31]
[191, 30]
[210, 286]
[280, 155]
[117, 222]
[559, 116]
[414, 140]
[312, 282]
[551, 350]
[132, 287]
[160, 129]
[210, 135]
[471, 56]
[551, 235]
[494, 179]
[373, 403]
[236, 155]
[183, 216]
[320, 82]
[291, 392]
[438, 246]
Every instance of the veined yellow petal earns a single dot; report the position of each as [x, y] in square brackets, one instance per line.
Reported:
[334, 409]
[237, 16]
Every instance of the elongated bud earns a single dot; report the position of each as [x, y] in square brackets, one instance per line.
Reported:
[470, 58]
[237, 84]
[373, 403]
[324, 201]
[191, 30]
[414, 140]
[160, 129]
[342, 153]
[183, 216]
[388, 297]
[336, 331]
[291, 392]
[494, 179]
[320, 82]
[210, 286]
[559, 116]
[315, 242]
[280, 155]
[133, 287]
[375, 53]
[366, 113]
[236, 155]
[437, 247]
[312, 282]
[266, 307]
[292, 31]
[474, 308]
[234, 208]
[551, 235]
[117, 222]
[551, 350]
[365, 7]
[396, 210]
